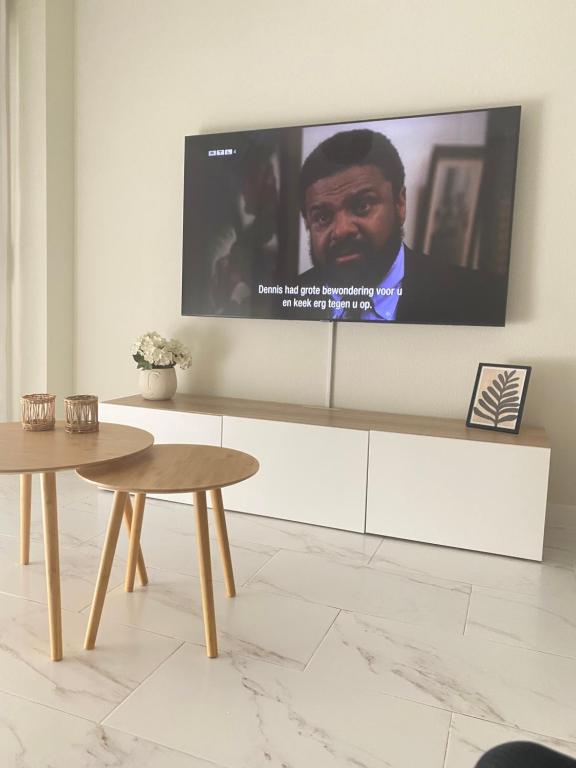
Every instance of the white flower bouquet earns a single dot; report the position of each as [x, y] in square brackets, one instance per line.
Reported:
[154, 351]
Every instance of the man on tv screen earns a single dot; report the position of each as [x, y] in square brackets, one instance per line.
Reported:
[353, 200]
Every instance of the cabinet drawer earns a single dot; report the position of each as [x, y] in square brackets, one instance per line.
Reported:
[307, 473]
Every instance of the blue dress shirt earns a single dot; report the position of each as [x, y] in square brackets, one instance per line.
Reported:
[384, 303]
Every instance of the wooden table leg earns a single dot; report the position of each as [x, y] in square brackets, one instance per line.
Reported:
[112, 534]
[50, 518]
[205, 573]
[25, 510]
[222, 534]
[128, 515]
[134, 551]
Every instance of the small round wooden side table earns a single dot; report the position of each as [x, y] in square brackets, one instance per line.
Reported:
[170, 469]
[25, 453]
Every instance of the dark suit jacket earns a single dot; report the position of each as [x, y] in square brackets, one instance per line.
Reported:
[433, 292]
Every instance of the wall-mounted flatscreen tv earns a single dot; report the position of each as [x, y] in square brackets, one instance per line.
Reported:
[402, 220]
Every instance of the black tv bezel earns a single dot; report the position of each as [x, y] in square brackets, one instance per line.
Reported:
[517, 107]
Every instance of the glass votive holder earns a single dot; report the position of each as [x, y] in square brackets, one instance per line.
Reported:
[81, 413]
[38, 412]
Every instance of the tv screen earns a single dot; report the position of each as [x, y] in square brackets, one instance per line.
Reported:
[402, 220]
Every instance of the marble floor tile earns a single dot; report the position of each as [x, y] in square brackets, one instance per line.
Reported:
[75, 524]
[515, 686]
[299, 537]
[92, 500]
[239, 713]
[470, 738]
[70, 487]
[544, 622]
[561, 514]
[176, 551]
[559, 556]
[279, 534]
[29, 739]
[79, 519]
[9, 520]
[71, 483]
[9, 485]
[560, 535]
[300, 680]
[85, 683]
[10, 509]
[430, 602]
[78, 572]
[68, 481]
[481, 569]
[560, 543]
[269, 627]
[172, 516]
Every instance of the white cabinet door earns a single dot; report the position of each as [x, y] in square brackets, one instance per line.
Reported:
[307, 473]
[461, 493]
[167, 427]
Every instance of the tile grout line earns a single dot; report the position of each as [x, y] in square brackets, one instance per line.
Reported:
[524, 648]
[258, 570]
[448, 739]
[513, 727]
[386, 694]
[35, 603]
[456, 635]
[162, 744]
[517, 646]
[320, 643]
[373, 555]
[4, 593]
[367, 481]
[102, 721]
[50, 707]
[467, 610]
[145, 630]
[553, 653]
[408, 572]
[14, 536]
[97, 724]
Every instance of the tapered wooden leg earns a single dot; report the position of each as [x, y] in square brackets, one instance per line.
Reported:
[105, 567]
[25, 509]
[222, 533]
[142, 574]
[134, 552]
[205, 573]
[50, 519]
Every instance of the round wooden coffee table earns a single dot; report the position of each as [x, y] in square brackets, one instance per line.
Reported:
[170, 469]
[26, 453]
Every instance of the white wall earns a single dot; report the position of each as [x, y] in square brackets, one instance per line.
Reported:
[27, 260]
[150, 72]
[60, 82]
[41, 260]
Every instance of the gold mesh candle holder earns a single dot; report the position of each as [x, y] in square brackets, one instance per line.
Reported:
[81, 413]
[38, 412]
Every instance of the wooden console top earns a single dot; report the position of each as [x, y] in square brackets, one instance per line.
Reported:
[337, 417]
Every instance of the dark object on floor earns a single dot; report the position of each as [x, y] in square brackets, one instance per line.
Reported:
[524, 754]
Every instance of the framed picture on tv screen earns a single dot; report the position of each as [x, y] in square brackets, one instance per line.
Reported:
[399, 220]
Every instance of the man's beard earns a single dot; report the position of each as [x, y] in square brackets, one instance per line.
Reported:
[369, 270]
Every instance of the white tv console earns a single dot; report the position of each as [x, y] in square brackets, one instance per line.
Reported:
[419, 478]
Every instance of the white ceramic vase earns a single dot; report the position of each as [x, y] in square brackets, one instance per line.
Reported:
[157, 384]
